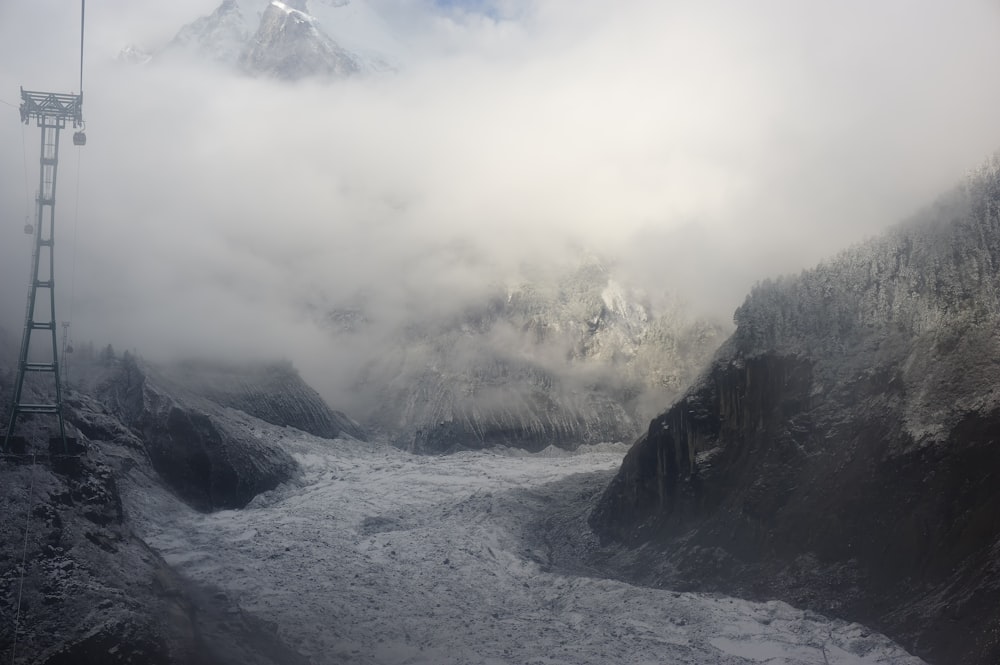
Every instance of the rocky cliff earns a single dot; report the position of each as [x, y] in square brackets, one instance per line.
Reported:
[206, 461]
[842, 452]
[180, 413]
[273, 392]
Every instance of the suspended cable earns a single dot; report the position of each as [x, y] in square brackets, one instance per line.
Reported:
[24, 155]
[83, 13]
[27, 187]
[72, 274]
[76, 208]
[24, 558]
[76, 217]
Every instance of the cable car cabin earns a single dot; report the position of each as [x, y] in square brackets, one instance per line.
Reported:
[29, 229]
[79, 138]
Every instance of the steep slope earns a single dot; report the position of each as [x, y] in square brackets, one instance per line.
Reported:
[207, 462]
[843, 450]
[273, 392]
[220, 37]
[77, 585]
[283, 39]
[558, 361]
[290, 44]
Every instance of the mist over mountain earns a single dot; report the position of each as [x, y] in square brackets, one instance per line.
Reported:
[281, 40]
[567, 357]
[700, 150]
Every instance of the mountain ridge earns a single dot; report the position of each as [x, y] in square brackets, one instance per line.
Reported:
[281, 40]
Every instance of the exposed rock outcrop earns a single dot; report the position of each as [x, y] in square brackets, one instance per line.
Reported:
[220, 37]
[273, 392]
[207, 460]
[93, 593]
[843, 450]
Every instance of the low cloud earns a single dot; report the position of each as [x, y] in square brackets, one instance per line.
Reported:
[702, 145]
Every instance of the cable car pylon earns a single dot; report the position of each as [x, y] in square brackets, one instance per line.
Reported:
[52, 112]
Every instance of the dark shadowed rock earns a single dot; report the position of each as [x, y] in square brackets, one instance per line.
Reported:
[93, 593]
[843, 451]
[273, 392]
[212, 462]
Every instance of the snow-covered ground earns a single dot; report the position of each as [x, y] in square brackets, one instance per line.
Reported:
[378, 556]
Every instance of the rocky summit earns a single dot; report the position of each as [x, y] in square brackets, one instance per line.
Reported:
[842, 450]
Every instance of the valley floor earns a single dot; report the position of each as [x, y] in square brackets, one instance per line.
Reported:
[377, 556]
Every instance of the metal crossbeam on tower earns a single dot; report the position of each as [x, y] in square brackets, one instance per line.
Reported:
[52, 112]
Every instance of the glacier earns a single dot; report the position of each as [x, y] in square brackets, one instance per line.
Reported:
[375, 555]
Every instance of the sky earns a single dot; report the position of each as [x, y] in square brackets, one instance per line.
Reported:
[700, 146]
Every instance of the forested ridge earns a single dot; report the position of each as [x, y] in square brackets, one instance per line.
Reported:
[940, 265]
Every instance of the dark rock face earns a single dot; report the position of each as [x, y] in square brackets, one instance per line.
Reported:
[79, 556]
[273, 392]
[843, 451]
[210, 462]
[92, 592]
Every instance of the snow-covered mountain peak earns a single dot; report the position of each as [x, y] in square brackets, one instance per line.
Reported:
[219, 37]
[290, 44]
[289, 39]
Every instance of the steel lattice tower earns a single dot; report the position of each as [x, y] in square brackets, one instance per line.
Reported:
[51, 111]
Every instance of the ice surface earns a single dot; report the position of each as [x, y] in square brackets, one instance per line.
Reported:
[378, 556]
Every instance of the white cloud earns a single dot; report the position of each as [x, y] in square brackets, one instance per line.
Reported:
[707, 144]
